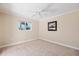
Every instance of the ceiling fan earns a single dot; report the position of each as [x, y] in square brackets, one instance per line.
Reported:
[42, 13]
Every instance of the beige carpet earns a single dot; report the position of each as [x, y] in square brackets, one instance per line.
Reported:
[38, 48]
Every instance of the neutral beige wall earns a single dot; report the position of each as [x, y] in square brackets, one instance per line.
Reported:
[9, 32]
[67, 32]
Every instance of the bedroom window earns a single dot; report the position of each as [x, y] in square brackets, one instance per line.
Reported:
[24, 25]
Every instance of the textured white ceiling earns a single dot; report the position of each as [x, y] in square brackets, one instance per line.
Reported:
[37, 10]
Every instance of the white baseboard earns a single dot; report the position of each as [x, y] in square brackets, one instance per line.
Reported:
[65, 45]
[20, 42]
[16, 43]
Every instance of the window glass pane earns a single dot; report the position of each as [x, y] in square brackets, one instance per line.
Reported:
[24, 26]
